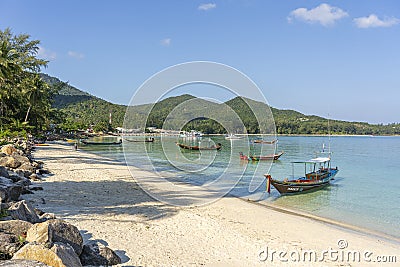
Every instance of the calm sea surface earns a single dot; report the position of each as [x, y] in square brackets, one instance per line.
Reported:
[365, 192]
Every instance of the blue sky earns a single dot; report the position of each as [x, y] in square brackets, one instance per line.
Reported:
[340, 58]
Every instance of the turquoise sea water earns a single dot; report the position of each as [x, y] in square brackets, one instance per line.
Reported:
[365, 192]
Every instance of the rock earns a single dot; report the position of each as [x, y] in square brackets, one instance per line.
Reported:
[14, 176]
[56, 230]
[19, 155]
[4, 172]
[9, 244]
[23, 182]
[23, 173]
[5, 181]
[47, 216]
[34, 177]
[27, 167]
[10, 162]
[57, 255]
[10, 192]
[40, 233]
[22, 263]
[15, 227]
[95, 253]
[39, 212]
[43, 171]
[22, 210]
[8, 149]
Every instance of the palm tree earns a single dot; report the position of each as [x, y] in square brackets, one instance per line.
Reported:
[18, 76]
[34, 92]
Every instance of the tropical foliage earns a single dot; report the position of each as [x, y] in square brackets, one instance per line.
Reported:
[25, 99]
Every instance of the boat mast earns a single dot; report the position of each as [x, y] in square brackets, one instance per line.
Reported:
[329, 138]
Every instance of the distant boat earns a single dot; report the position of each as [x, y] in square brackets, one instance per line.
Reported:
[101, 143]
[232, 137]
[191, 134]
[258, 158]
[147, 140]
[261, 141]
[217, 147]
[320, 175]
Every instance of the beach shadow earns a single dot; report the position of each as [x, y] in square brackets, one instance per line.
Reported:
[111, 198]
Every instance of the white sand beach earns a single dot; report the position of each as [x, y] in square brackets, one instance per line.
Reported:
[102, 199]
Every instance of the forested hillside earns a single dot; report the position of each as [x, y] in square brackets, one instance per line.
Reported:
[82, 109]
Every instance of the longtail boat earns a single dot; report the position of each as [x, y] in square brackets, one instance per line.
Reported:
[232, 137]
[101, 143]
[262, 141]
[258, 158]
[217, 147]
[147, 140]
[319, 175]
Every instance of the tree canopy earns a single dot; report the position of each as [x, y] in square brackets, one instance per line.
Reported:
[25, 99]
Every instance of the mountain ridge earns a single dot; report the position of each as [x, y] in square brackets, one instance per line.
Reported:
[82, 109]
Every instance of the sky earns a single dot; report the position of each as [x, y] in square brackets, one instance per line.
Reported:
[329, 58]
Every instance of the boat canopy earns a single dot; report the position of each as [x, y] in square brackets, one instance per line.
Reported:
[315, 160]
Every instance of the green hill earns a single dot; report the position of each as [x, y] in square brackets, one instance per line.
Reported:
[81, 109]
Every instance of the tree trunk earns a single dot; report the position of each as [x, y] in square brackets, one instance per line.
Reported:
[27, 113]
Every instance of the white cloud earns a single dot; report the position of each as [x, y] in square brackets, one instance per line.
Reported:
[206, 7]
[76, 55]
[46, 54]
[166, 42]
[373, 21]
[324, 14]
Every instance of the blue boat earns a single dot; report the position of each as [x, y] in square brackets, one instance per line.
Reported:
[319, 175]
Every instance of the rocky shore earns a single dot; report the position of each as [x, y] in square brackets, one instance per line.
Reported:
[30, 236]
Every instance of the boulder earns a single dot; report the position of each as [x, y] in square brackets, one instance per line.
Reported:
[4, 172]
[95, 253]
[42, 171]
[5, 181]
[10, 162]
[10, 192]
[57, 255]
[23, 182]
[19, 155]
[24, 211]
[15, 227]
[8, 149]
[9, 244]
[23, 173]
[47, 216]
[14, 176]
[22, 263]
[56, 230]
[26, 166]
[34, 177]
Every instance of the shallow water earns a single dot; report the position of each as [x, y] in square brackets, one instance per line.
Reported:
[365, 192]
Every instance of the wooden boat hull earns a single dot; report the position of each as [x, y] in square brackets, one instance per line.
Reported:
[101, 143]
[217, 147]
[291, 188]
[301, 185]
[140, 141]
[264, 142]
[258, 158]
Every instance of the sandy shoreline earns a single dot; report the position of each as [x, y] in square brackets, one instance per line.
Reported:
[101, 198]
